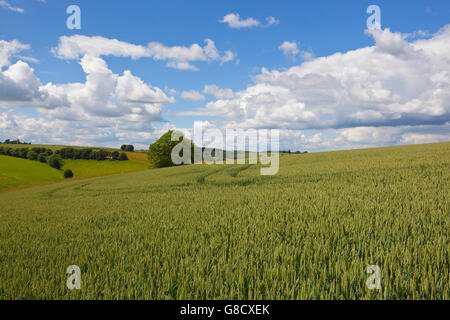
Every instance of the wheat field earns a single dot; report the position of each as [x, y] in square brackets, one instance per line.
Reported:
[226, 232]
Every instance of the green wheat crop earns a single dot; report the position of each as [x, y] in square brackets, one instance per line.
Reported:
[226, 232]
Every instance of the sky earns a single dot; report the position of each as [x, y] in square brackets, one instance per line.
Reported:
[311, 69]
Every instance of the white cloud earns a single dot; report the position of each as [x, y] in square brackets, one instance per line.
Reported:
[384, 136]
[235, 21]
[418, 138]
[192, 95]
[99, 133]
[271, 21]
[178, 57]
[392, 43]
[394, 83]
[395, 92]
[106, 107]
[103, 95]
[289, 48]
[217, 92]
[18, 82]
[306, 54]
[417, 34]
[9, 49]
[344, 139]
[76, 46]
[171, 91]
[6, 5]
[29, 59]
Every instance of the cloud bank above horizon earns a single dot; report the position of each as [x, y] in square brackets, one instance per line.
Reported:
[394, 92]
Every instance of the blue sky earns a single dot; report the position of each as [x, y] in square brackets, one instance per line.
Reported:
[319, 28]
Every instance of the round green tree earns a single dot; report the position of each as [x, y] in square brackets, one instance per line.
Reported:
[42, 158]
[31, 155]
[68, 174]
[123, 157]
[55, 161]
[160, 152]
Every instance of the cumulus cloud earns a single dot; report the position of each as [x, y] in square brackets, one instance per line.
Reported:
[394, 92]
[192, 95]
[18, 83]
[392, 83]
[105, 107]
[104, 94]
[178, 57]
[235, 21]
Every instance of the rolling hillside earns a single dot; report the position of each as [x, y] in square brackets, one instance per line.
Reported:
[225, 232]
[11, 176]
[15, 172]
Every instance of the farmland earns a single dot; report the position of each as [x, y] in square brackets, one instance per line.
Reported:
[225, 232]
[93, 168]
[20, 173]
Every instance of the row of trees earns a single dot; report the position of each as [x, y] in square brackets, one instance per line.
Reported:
[293, 152]
[17, 141]
[37, 154]
[41, 154]
[91, 154]
[55, 159]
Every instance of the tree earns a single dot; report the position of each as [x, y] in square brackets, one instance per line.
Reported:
[100, 155]
[23, 153]
[68, 174]
[55, 161]
[42, 158]
[76, 154]
[66, 153]
[115, 155]
[86, 154]
[160, 152]
[39, 150]
[127, 147]
[32, 155]
[123, 157]
[15, 152]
